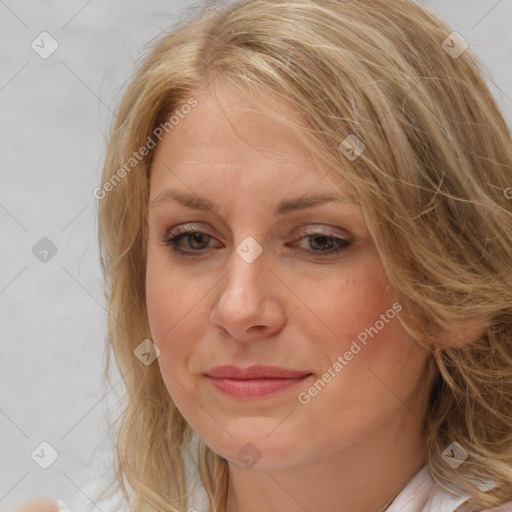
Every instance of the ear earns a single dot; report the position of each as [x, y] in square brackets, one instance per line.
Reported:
[463, 332]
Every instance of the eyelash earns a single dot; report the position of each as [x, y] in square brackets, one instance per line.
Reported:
[173, 241]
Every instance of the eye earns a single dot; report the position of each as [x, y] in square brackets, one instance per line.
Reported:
[188, 233]
[325, 245]
[321, 244]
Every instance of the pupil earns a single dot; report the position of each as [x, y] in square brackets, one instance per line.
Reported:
[196, 237]
[322, 237]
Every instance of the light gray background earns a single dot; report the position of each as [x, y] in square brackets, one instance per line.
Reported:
[55, 115]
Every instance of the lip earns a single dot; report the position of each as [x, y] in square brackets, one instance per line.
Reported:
[255, 372]
[254, 381]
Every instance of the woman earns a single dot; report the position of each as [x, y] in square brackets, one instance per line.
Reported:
[305, 232]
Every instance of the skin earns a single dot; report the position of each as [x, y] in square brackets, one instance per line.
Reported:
[290, 308]
[39, 504]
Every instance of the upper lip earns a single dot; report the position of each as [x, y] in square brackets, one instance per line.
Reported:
[255, 372]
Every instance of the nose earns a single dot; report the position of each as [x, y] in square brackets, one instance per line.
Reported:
[248, 305]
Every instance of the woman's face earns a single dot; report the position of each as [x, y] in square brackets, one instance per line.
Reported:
[271, 279]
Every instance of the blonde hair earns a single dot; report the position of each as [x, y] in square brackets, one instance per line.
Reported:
[431, 181]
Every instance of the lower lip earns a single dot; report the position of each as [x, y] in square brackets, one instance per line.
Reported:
[254, 388]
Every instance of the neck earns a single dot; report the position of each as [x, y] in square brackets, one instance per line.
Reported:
[363, 477]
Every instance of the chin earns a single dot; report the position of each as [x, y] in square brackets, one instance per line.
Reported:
[257, 445]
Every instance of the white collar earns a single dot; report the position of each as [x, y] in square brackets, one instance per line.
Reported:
[423, 494]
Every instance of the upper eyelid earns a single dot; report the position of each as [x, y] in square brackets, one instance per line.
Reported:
[309, 226]
[311, 230]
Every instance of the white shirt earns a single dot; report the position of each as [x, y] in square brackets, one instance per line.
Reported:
[423, 494]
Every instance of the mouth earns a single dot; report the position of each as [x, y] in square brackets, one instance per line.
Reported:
[254, 381]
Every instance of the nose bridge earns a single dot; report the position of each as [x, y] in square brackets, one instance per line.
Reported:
[245, 301]
[247, 268]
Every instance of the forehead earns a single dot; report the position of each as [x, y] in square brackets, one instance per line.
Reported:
[226, 143]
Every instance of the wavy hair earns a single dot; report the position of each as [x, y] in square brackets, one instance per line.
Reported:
[432, 182]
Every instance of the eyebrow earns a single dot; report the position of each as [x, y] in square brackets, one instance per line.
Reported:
[199, 203]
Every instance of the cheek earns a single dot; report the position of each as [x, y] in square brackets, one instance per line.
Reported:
[350, 302]
[177, 317]
[356, 319]
[168, 304]
[170, 297]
